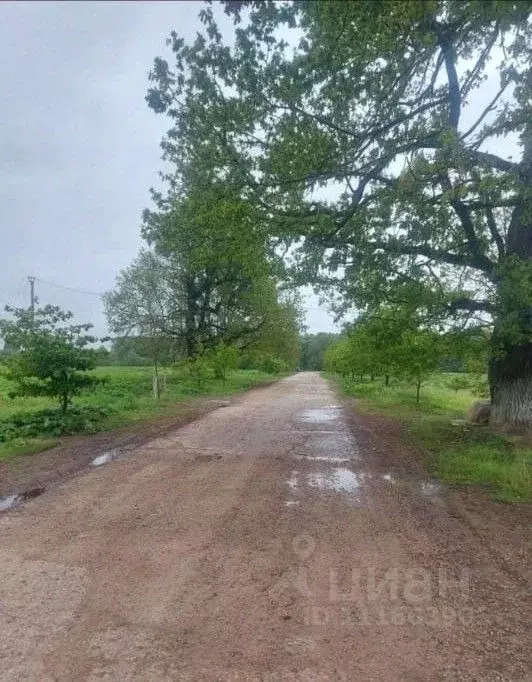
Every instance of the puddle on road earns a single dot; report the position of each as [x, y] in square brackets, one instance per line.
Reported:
[335, 479]
[12, 501]
[319, 415]
[430, 489]
[106, 457]
[339, 480]
[323, 458]
[8, 502]
[336, 445]
[292, 481]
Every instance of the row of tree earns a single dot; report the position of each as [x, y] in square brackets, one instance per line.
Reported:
[364, 140]
[396, 342]
[210, 275]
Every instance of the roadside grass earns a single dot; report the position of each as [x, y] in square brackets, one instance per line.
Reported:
[125, 397]
[25, 447]
[463, 453]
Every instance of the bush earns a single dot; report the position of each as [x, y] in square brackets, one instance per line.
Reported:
[51, 422]
[272, 365]
[459, 383]
[224, 359]
[198, 369]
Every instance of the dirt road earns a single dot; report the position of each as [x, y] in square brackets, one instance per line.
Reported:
[270, 540]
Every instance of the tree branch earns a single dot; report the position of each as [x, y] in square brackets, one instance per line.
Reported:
[401, 249]
[455, 98]
[496, 235]
[492, 161]
[471, 305]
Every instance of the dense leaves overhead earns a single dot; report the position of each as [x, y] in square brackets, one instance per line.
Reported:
[363, 104]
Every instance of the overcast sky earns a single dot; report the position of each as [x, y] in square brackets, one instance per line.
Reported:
[79, 146]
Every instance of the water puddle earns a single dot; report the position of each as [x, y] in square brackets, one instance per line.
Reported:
[430, 489]
[106, 457]
[319, 415]
[293, 480]
[8, 502]
[336, 444]
[339, 480]
[323, 458]
[13, 501]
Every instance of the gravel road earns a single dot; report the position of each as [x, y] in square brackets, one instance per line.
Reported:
[275, 539]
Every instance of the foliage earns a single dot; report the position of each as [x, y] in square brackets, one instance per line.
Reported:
[313, 347]
[278, 336]
[459, 383]
[198, 368]
[51, 358]
[206, 284]
[28, 424]
[51, 422]
[465, 453]
[346, 126]
[224, 359]
[140, 306]
[272, 365]
[391, 341]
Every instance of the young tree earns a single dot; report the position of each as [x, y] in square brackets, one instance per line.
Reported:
[51, 357]
[224, 359]
[418, 353]
[395, 109]
[337, 357]
[142, 304]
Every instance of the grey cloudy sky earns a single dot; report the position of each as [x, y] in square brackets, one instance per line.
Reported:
[79, 146]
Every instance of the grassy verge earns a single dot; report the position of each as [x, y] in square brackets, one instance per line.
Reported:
[457, 453]
[31, 425]
[26, 447]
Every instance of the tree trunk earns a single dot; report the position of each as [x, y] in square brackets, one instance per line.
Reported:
[418, 390]
[190, 319]
[511, 386]
[510, 370]
[157, 388]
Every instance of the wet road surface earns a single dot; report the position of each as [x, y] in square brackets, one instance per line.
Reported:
[270, 540]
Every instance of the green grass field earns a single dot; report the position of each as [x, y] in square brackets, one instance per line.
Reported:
[464, 453]
[125, 397]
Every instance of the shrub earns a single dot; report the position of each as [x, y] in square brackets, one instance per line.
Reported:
[51, 422]
[459, 383]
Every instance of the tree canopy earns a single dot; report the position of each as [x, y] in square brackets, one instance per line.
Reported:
[51, 357]
[365, 134]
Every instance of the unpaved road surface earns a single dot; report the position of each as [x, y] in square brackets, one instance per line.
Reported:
[271, 540]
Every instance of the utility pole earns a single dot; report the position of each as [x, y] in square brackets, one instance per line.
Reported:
[31, 280]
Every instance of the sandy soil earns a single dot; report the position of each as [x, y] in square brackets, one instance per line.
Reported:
[280, 538]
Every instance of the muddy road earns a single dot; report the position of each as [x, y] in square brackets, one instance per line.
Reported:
[274, 539]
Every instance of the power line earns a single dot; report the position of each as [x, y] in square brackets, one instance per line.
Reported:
[62, 286]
